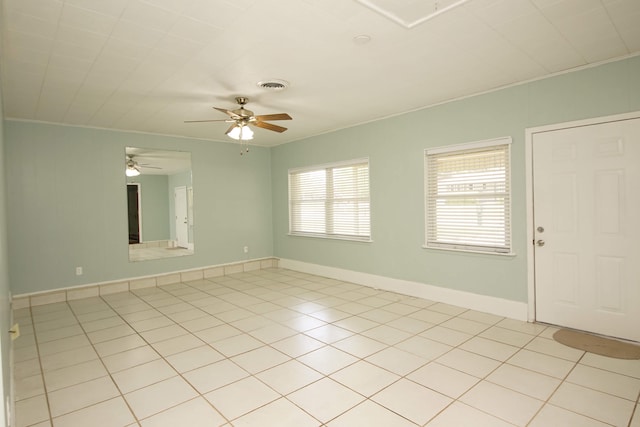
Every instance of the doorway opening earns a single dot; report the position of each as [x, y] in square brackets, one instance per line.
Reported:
[133, 209]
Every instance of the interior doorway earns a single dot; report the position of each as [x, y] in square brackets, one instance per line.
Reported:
[133, 209]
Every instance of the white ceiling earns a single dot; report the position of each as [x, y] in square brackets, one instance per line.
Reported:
[148, 65]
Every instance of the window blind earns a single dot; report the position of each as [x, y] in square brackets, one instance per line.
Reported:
[331, 201]
[468, 197]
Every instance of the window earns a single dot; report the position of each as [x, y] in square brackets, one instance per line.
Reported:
[330, 201]
[468, 197]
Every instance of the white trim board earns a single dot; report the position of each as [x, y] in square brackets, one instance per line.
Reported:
[126, 284]
[493, 305]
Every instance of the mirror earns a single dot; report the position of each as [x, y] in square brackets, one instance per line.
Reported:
[159, 202]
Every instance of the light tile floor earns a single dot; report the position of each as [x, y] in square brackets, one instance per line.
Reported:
[283, 348]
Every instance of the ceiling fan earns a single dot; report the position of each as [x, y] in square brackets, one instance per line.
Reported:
[241, 118]
[133, 167]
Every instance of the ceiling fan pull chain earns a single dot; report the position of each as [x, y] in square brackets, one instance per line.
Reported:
[241, 131]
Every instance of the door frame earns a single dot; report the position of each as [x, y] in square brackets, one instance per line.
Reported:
[181, 188]
[529, 134]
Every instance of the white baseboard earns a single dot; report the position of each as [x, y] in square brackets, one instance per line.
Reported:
[488, 304]
[132, 283]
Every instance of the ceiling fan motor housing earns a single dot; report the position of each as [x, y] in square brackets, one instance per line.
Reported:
[243, 112]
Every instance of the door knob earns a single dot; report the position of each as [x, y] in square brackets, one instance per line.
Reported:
[540, 242]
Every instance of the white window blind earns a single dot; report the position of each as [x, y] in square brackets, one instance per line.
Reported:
[468, 197]
[331, 201]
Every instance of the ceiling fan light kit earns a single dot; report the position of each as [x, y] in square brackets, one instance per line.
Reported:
[241, 119]
[240, 132]
[132, 170]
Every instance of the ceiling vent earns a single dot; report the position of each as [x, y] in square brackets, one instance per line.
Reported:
[274, 85]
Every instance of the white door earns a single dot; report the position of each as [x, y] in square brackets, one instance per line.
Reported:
[182, 222]
[587, 235]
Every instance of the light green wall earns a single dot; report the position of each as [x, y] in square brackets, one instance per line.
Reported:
[395, 148]
[156, 210]
[67, 205]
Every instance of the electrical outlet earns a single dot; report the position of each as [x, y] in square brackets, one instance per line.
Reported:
[78, 271]
[15, 331]
[246, 249]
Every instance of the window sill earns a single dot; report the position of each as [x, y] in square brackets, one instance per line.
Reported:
[320, 236]
[470, 251]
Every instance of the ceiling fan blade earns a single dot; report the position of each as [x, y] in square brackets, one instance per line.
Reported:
[202, 121]
[269, 126]
[228, 113]
[279, 116]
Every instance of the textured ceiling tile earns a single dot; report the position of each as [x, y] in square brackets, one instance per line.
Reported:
[566, 9]
[136, 117]
[61, 84]
[82, 108]
[73, 68]
[499, 12]
[158, 62]
[30, 56]
[631, 37]
[116, 65]
[107, 115]
[53, 103]
[134, 33]
[87, 20]
[529, 31]
[178, 46]
[75, 53]
[149, 16]
[49, 10]
[191, 29]
[339, 9]
[177, 7]
[18, 21]
[14, 41]
[542, 42]
[105, 82]
[107, 7]
[217, 13]
[602, 49]
[25, 78]
[626, 16]
[556, 56]
[88, 41]
[19, 103]
[125, 48]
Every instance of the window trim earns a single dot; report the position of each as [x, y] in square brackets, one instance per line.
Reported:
[468, 248]
[324, 167]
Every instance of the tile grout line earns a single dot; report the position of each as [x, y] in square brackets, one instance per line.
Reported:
[239, 285]
[160, 357]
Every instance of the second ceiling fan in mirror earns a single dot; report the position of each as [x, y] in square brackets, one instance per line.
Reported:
[133, 167]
